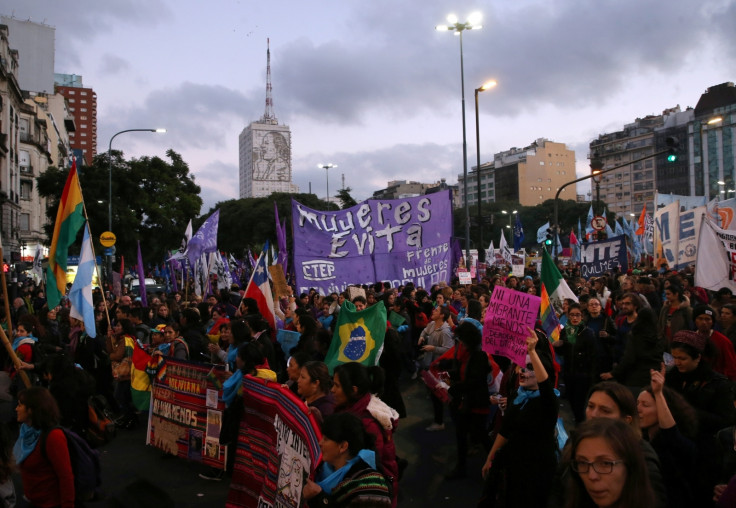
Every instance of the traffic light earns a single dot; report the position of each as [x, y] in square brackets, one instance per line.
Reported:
[550, 237]
[673, 147]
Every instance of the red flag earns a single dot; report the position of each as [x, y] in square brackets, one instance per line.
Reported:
[573, 238]
[122, 266]
[642, 221]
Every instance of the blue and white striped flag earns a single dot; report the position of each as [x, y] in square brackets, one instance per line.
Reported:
[80, 295]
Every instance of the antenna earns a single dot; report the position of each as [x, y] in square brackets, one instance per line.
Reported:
[269, 116]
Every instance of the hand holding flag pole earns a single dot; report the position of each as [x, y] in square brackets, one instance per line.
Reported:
[8, 320]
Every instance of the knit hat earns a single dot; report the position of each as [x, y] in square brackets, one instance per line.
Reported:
[691, 338]
[699, 310]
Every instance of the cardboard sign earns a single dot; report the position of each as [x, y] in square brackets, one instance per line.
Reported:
[280, 287]
[508, 316]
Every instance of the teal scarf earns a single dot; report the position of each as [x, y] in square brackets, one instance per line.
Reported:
[328, 478]
[523, 396]
[231, 386]
[26, 442]
[232, 353]
[18, 340]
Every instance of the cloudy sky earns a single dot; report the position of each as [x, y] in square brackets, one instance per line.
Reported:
[371, 86]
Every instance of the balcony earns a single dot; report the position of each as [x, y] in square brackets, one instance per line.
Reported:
[26, 170]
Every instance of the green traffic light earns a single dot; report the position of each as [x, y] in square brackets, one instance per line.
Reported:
[548, 242]
[671, 158]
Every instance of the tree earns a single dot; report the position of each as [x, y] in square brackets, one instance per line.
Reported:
[345, 198]
[152, 201]
[246, 224]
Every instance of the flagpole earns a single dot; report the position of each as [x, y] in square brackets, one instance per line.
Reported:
[5, 292]
[94, 258]
[8, 346]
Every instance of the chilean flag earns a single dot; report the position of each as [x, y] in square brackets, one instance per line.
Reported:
[259, 289]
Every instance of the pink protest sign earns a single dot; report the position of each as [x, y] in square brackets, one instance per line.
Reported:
[508, 315]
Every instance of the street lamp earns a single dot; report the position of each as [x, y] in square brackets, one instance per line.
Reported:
[483, 88]
[473, 23]
[511, 217]
[327, 168]
[109, 188]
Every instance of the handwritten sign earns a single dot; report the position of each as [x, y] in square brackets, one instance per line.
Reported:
[508, 315]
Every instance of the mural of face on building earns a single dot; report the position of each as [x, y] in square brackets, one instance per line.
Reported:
[271, 157]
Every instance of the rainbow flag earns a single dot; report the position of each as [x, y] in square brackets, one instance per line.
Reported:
[140, 381]
[550, 323]
[69, 219]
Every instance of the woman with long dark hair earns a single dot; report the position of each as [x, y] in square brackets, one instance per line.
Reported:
[353, 387]
[670, 424]
[314, 386]
[348, 475]
[607, 467]
[41, 451]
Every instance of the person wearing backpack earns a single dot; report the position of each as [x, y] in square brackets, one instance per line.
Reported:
[46, 469]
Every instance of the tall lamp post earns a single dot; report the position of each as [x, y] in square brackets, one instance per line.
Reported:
[327, 168]
[486, 86]
[109, 189]
[473, 23]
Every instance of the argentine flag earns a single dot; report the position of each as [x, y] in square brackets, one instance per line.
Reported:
[81, 293]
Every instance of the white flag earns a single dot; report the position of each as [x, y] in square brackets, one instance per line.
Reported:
[504, 248]
[718, 271]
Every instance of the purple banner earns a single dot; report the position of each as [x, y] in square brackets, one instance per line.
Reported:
[396, 241]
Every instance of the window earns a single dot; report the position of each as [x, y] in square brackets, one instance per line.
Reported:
[82, 92]
[83, 101]
[26, 188]
[71, 92]
[72, 101]
[83, 126]
[541, 163]
[83, 110]
[25, 221]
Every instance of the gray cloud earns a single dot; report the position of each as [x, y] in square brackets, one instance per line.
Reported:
[195, 115]
[78, 27]
[368, 171]
[568, 54]
[113, 64]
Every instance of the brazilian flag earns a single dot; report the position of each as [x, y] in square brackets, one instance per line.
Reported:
[358, 336]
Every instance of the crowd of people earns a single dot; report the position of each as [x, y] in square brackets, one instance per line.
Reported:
[645, 363]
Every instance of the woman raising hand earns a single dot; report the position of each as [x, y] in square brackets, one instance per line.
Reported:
[528, 430]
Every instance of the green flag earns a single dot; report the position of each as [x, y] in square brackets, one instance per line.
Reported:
[552, 279]
[358, 336]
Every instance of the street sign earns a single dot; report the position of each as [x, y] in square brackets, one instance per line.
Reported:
[107, 239]
[598, 223]
[108, 251]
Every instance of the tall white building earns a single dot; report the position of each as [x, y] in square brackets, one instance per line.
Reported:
[265, 152]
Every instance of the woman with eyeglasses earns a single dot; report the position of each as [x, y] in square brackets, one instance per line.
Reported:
[607, 467]
[577, 347]
[528, 430]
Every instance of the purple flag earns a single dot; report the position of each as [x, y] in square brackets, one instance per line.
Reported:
[142, 278]
[398, 241]
[281, 240]
[175, 266]
[205, 239]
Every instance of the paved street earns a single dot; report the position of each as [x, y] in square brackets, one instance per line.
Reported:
[127, 462]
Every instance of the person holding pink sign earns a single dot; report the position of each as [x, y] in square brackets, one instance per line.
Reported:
[528, 430]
